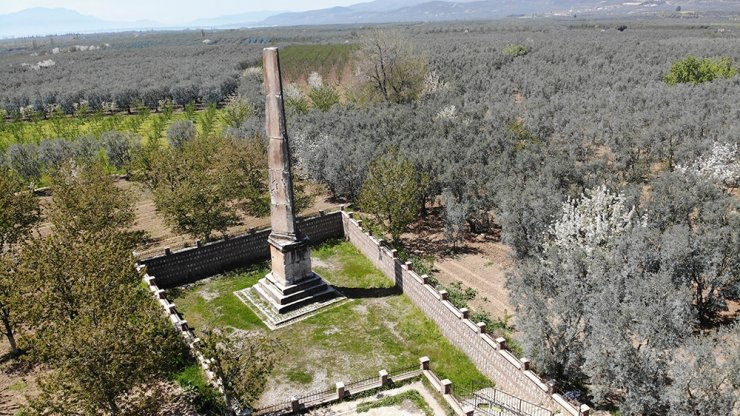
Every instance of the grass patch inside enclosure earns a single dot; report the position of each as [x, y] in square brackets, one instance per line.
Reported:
[413, 396]
[378, 328]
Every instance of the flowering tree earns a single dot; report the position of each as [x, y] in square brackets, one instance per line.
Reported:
[721, 165]
[592, 221]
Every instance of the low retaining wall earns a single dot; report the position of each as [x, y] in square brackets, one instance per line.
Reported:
[488, 354]
[192, 264]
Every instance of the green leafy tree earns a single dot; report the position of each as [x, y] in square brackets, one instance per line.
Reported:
[392, 192]
[192, 191]
[324, 97]
[243, 361]
[516, 50]
[236, 111]
[696, 71]
[207, 121]
[19, 212]
[86, 202]
[94, 324]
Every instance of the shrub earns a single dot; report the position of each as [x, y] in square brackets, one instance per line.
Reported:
[54, 152]
[696, 71]
[24, 159]
[324, 97]
[181, 132]
[117, 147]
[516, 50]
[85, 148]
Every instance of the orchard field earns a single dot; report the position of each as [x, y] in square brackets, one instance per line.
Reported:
[602, 156]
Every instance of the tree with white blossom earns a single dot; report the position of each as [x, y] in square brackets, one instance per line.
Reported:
[721, 165]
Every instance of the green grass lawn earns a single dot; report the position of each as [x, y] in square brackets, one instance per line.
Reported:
[377, 328]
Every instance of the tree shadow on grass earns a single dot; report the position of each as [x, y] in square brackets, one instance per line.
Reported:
[369, 293]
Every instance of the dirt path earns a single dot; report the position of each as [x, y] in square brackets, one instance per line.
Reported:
[16, 382]
[482, 264]
[485, 272]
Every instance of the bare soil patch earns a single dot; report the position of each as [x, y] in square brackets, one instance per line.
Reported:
[160, 236]
[17, 381]
[482, 263]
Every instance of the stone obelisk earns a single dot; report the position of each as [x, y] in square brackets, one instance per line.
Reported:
[291, 283]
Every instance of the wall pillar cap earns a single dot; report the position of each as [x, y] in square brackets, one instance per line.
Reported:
[481, 327]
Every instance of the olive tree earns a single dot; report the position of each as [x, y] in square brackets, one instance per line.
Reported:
[181, 132]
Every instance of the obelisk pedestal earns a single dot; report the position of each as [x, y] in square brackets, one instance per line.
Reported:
[291, 284]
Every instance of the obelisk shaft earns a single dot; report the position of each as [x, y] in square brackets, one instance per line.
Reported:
[281, 187]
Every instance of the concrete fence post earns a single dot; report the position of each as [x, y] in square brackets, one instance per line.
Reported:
[446, 386]
[525, 363]
[468, 410]
[383, 375]
[340, 390]
[359, 224]
[424, 279]
[341, 207]
[481, 327]
[424, 361]
[183, 326]
[252, 230]
[167, 251]
[198, 243]
[551, 387]
[394, 253]
[409, 266]
[444, 295]
[295, 405]
[351, 215]
[501, 341]
[465, 313]
[321, 213]
[585, 410]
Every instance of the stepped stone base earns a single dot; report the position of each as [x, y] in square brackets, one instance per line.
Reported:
[261, 299]
[284, 298]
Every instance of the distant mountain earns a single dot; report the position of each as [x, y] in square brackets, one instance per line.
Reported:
[46, 21]
[381, 11]
[235, 20]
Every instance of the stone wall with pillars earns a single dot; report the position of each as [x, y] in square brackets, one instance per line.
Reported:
[489, 353]
[203, 260]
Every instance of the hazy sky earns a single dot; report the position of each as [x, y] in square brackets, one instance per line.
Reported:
[169, 11]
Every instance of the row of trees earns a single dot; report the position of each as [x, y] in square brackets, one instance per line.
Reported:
[75, 298]
[557, 152]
